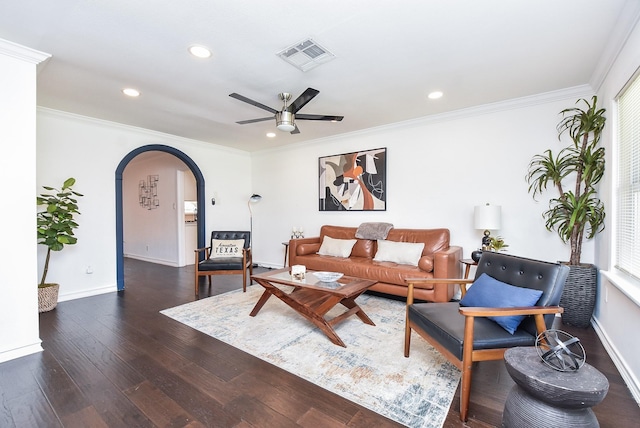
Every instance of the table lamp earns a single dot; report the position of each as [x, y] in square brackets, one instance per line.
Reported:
[487, 217]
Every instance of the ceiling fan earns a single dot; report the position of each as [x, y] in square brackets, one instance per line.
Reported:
[285, 118]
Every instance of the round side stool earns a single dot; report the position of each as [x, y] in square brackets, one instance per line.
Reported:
[543, 396]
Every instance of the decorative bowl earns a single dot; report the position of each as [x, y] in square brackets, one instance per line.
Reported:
[328, 276]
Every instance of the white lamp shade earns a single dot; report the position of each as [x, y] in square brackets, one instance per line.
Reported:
[487, 217]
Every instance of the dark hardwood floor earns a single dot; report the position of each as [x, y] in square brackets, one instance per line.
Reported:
[113, 360]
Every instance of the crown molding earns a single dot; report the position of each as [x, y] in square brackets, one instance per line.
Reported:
[628, 20]
[22, 53]
[156, 136]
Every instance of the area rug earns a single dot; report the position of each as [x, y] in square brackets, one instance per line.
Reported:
[371, 371]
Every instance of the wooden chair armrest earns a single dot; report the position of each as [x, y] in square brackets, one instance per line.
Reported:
[198, 252]
[469, 311]
[438, 281]
[411, 282]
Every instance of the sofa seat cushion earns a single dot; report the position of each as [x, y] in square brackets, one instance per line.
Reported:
[363, 267]
[221, 263]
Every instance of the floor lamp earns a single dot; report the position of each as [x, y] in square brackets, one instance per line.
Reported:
[255, 198]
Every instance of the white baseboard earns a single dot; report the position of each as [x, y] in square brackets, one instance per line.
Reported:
[152, 260]
[268, 265]
[21, 351]
[87, 293]
[618, 361]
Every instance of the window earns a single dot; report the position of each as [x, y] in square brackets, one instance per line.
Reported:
[628, 180]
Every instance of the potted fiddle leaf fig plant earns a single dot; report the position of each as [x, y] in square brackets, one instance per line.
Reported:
[55, 224]
[577, 213]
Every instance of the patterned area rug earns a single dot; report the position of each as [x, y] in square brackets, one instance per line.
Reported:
[372, 371]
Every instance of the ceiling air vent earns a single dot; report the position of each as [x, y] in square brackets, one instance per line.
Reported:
[306, 55]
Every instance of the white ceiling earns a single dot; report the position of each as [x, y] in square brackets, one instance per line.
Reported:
[389, 56]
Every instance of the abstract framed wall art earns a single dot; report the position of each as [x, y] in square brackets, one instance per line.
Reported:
[354, 181]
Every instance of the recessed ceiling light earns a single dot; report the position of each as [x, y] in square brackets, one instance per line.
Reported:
[199, 51]
[131, 92]
[435, 95]
[271, 134]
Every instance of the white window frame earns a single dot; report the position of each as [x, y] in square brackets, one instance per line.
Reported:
[626, 281]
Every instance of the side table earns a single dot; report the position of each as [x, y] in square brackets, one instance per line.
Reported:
[467, 266]
[544, 397]
[286, 253]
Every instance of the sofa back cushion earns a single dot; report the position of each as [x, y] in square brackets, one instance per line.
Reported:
[362, 247]
[434, 239]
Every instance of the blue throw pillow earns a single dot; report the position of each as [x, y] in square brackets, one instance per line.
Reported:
[488, 292]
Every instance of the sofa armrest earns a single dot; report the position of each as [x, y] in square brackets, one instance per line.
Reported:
[295, 243]
[446, 264]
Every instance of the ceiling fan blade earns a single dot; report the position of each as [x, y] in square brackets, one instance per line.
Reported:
[262, 119]
[319, 117]
[253, 103]
[295, 130]
[302, 100]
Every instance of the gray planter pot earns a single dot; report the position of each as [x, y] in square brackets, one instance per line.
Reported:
[579, 295]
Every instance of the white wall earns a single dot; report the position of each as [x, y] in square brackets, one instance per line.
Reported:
[618, 302]
[438, 169]
[90, 150]
[19, 331]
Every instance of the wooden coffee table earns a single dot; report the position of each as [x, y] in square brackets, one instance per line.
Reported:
[313, 299]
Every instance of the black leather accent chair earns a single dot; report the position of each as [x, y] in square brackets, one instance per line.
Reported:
[224, 265]
[464, 334]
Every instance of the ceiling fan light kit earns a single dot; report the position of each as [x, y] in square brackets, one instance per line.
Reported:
[285, 121]
[285, 118]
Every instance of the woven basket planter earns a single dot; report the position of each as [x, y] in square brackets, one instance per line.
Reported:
[579, 295]
[48, 297]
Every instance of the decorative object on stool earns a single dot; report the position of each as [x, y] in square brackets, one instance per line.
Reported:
[577, 213]
[475, 255]
[544, 397]
[55, 226]
[560, 350]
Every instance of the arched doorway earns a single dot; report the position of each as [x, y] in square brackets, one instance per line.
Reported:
[119, 209]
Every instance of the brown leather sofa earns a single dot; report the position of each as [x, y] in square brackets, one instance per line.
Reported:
[439, 260]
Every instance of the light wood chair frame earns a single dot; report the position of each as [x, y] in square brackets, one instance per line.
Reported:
[470, 355]
[246, 259]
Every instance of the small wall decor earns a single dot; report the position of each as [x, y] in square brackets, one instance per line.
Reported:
[148, 192]
[353, 181]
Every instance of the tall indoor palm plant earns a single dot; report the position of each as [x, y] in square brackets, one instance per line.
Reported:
[577, 212]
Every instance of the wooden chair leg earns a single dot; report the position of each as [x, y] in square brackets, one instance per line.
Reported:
[244, 280]
[407, 339]
[467, 366]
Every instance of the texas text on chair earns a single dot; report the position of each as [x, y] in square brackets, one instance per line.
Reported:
[505, 287]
